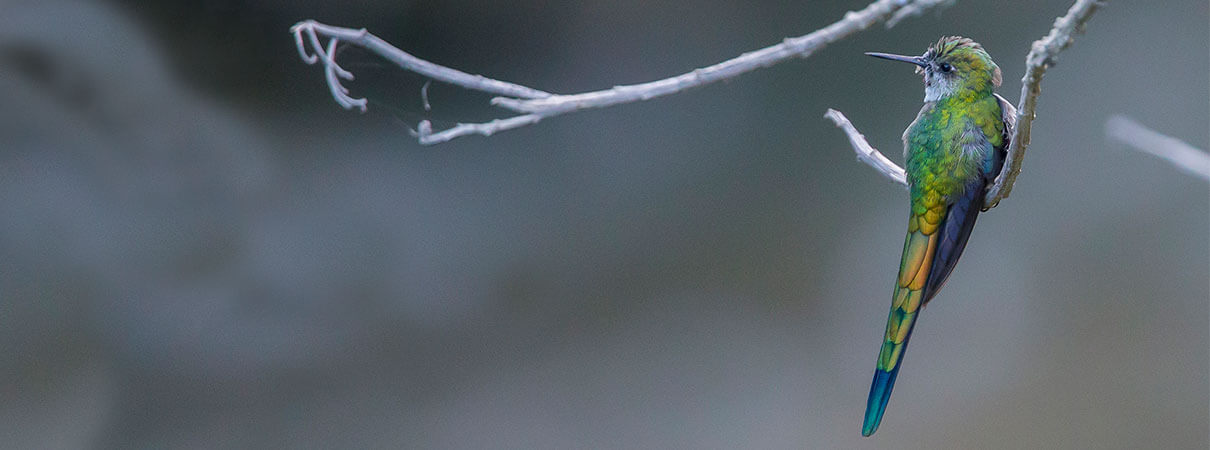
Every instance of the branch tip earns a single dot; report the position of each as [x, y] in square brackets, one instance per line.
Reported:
[865, 152]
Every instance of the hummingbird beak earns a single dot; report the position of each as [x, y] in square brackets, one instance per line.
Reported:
[917, 60]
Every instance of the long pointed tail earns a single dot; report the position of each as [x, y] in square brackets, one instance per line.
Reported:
[894, 346]
[909, 294]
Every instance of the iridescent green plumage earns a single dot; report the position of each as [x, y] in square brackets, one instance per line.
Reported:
[954, 148]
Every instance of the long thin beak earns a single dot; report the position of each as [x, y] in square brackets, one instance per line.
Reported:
[919, 61]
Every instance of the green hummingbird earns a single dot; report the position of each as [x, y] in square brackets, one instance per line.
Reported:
[954, 150]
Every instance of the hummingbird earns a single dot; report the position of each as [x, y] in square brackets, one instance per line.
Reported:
[954, 150]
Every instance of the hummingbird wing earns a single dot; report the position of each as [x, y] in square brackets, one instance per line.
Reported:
[1008, 115]
[960, 218]
[962, 211]
[955, 230]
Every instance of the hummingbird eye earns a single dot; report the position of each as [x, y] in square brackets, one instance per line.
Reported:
[946, 67]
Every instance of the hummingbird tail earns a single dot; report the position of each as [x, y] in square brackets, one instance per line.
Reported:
[914, 269]
[884, 380]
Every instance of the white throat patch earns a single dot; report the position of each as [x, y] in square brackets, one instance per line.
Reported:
[939, 88]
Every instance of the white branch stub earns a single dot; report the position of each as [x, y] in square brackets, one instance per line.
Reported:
[865, 152]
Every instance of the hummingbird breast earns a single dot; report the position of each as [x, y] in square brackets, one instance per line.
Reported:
[950, 144]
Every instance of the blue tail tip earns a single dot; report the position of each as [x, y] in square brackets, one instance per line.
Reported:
[880, 394]
[870, 426]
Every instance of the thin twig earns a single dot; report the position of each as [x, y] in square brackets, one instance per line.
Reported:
[535, 105]
[1182, 155]
[865, 152]
[428, 137]
[1041, 57]
[424, 95]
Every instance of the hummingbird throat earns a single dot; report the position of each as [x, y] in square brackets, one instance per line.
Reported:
[937, 87]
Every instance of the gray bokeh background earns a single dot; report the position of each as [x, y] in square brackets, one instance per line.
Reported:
[202, 250]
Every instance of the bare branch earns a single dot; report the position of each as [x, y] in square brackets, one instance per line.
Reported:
[534, 105]
[802, 46]
[1041, 57]
[865, 152]
[1184, 156]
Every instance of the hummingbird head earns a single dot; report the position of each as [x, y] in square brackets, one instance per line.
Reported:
[953, 66]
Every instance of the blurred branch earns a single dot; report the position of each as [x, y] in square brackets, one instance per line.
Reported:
[1041, 57]
[1184, 156]
[915, 9]
[865, 152]
[535, 105]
